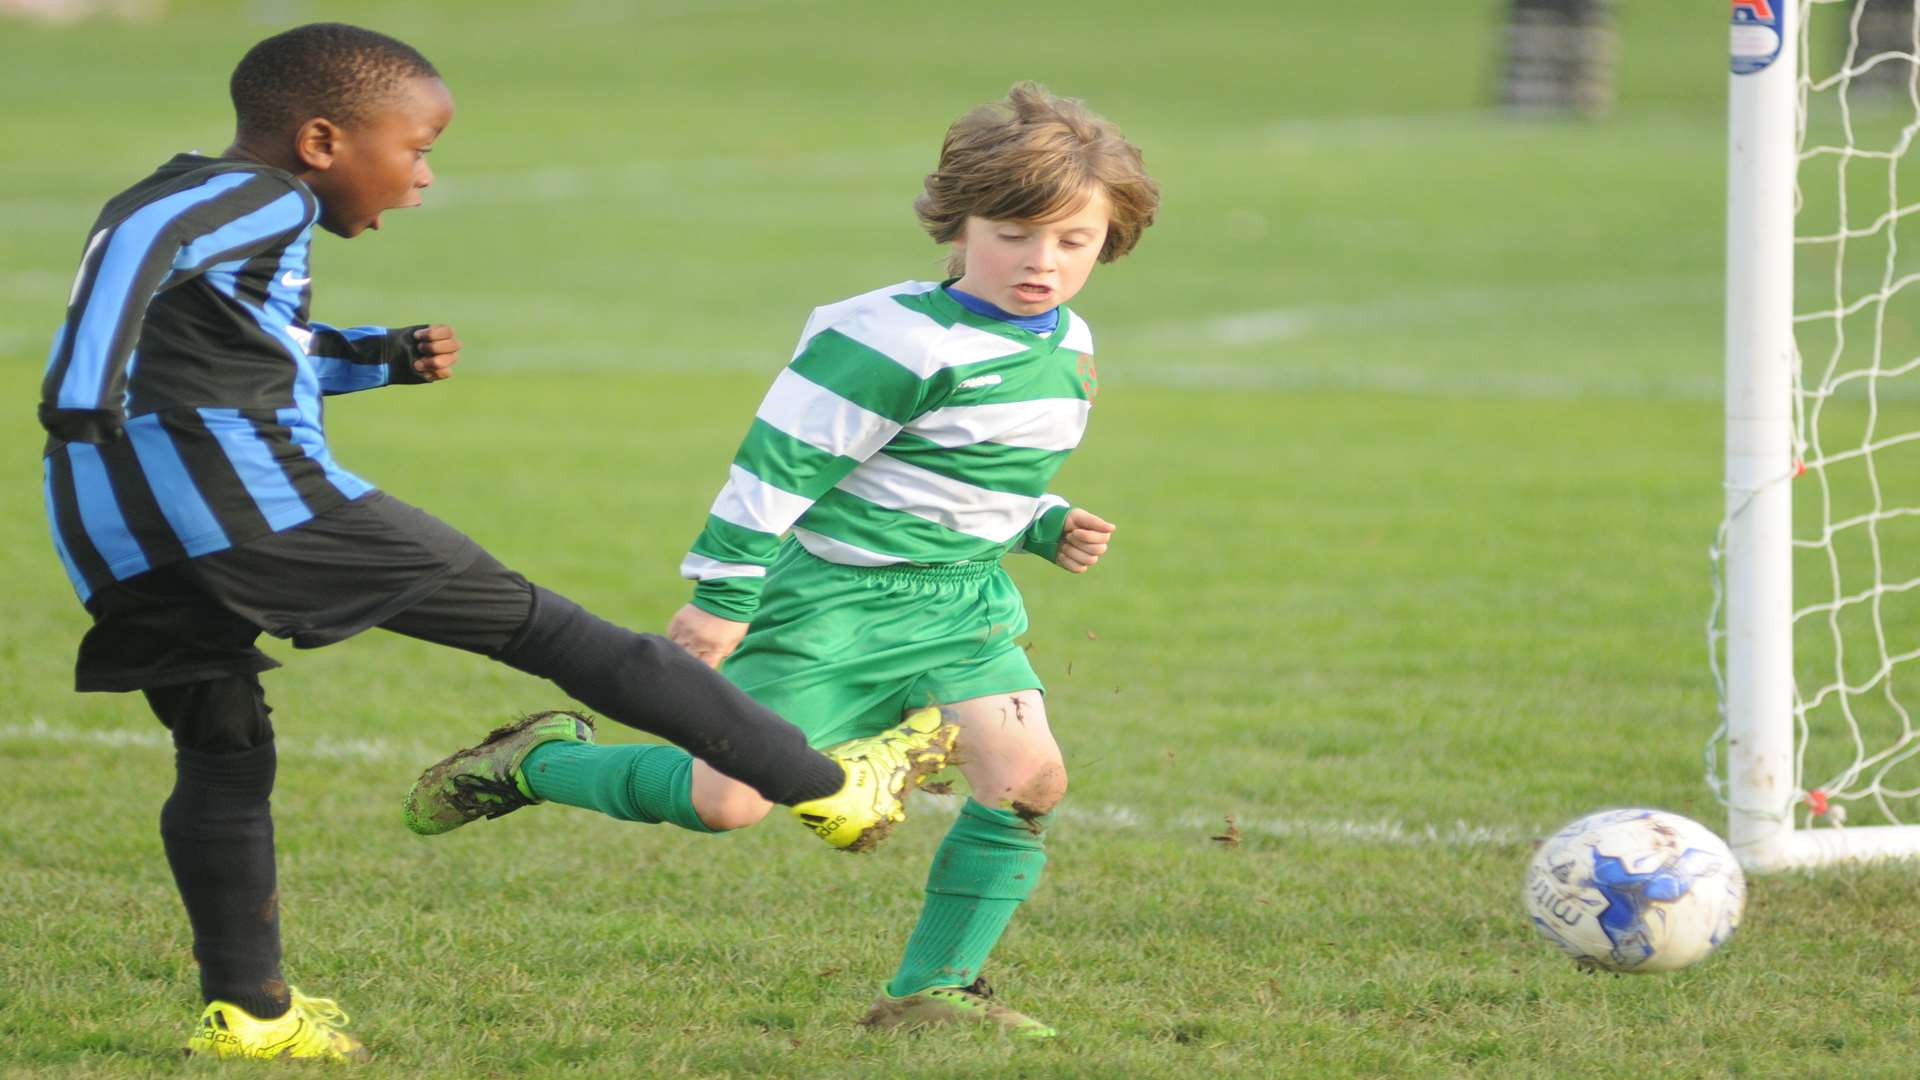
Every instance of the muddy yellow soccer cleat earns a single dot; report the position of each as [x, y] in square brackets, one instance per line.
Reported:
[953, 1005]
[880, 770]
[310, 1031]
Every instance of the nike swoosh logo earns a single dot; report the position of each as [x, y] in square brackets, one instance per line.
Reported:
[292, 282]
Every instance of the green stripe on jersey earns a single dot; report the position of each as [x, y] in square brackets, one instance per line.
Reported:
[867, 378]
[735, 598]
[1017, 470]
[902, 354]
[788, 463]
[723, 541]
[851, 519]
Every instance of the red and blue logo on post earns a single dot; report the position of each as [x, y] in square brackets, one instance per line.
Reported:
[1756, 34]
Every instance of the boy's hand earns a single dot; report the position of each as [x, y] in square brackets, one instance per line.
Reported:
[704, 634]
[438, 351]
[1084, 537]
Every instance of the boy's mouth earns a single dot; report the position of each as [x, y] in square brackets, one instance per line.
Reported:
[1030, 291]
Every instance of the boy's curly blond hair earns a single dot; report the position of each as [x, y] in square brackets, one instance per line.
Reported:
[1035, 157]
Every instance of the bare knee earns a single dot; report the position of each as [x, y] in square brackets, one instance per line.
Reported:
[724, 803]
[1032, 786]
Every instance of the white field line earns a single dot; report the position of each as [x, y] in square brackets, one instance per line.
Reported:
[1097, 817]
[1157, 355]
[371, 749]
[569, 181]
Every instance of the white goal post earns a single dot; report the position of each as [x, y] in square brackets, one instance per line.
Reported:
[1814, 407]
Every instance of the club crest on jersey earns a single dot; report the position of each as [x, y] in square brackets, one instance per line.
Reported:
[1756, 34]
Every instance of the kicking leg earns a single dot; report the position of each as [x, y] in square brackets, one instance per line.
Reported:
[644, 681]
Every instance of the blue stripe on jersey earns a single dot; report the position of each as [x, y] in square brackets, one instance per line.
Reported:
[59, 341]
[308, 439]
[100, 513]
[59, 543]
[289, 211]
[302, 421]
[271, 491]
[341, 376]
[107, 301]
[181, 503]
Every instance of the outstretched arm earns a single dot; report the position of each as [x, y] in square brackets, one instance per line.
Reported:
[363, 357]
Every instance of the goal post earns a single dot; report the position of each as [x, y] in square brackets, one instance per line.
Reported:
[1782, 811]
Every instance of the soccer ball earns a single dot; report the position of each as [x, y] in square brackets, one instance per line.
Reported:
[1635, 890]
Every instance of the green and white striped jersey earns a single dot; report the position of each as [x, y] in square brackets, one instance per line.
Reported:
[906, 429]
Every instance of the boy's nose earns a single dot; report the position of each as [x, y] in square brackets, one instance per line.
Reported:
[423, 176]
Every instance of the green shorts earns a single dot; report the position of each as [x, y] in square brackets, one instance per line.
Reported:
[843, 651]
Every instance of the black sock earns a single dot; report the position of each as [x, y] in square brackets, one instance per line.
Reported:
[218, 832]
[648, 682]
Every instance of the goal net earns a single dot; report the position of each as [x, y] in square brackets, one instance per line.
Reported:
[1815, 629]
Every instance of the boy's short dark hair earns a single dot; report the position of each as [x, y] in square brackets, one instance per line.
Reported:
[332, 70]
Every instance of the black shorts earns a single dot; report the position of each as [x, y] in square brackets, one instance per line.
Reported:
[375, 561]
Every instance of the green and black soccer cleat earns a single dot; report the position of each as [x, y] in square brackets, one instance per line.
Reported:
[486, 781]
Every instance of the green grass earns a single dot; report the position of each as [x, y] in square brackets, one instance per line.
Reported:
[1409, 422]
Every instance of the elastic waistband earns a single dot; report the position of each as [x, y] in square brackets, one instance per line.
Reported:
[956, 571]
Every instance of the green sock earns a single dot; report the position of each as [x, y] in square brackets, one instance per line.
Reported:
[632, 781]
[989, 862]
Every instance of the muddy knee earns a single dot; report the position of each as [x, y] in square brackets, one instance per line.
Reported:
[1035, 787]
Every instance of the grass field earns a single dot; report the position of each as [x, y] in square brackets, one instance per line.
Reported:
[1408, 419]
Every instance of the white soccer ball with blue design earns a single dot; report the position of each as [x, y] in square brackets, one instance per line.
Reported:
[1635, 890]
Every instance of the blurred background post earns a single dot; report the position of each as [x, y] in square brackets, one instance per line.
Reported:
[1559, 57]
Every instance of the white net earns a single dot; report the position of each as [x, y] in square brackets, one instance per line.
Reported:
[1856, 479]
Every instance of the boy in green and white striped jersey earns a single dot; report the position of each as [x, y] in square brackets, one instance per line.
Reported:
[905, 449]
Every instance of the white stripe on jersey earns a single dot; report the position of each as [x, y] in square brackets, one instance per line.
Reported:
[839, 551]
[1079, 335]
[828, 314]
[1044, 424]
[752, 503]
[700, 568]
[907, 337]
[891, 483]
[823, 419]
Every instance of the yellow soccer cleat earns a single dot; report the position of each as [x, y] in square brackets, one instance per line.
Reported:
[880, 770]
[961, 1005]
[310, 1031]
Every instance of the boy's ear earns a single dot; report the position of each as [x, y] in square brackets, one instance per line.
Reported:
[316, 142]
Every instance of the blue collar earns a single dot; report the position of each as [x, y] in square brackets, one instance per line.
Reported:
[1044, 323]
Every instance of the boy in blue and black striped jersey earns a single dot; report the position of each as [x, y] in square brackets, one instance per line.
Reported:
[195, 503]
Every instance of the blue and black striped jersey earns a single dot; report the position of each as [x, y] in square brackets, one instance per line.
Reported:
[182, 394]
